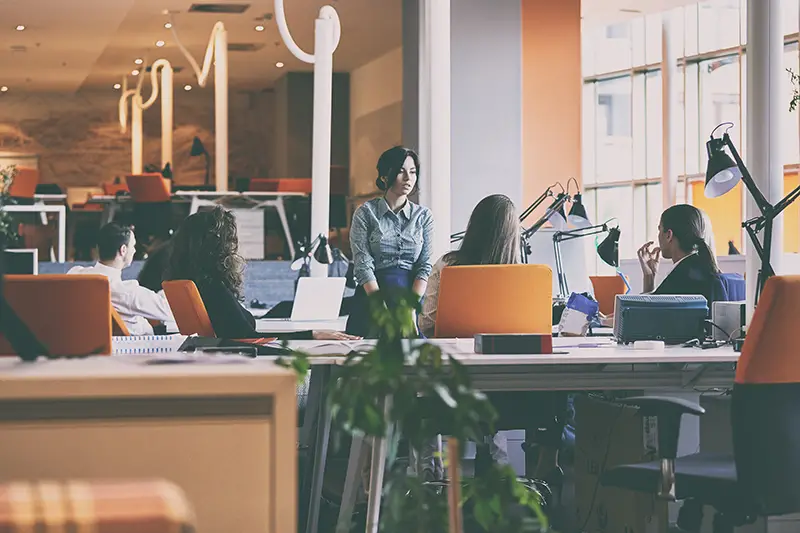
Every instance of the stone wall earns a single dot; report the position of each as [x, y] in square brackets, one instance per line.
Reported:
[78, 141]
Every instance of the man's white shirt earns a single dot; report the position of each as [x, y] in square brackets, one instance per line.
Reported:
[134, 303]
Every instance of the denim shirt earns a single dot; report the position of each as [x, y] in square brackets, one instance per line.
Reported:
[381, 238]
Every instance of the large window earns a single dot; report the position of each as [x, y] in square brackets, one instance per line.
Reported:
[623, 116]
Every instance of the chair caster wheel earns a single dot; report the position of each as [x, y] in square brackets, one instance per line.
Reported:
[690, 516]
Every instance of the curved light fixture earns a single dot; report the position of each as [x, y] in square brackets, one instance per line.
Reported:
[217, 50]
[137, 106]
[327, 33]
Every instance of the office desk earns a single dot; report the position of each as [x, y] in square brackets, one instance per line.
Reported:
[603, 366]
[224, 432]
[60, 210]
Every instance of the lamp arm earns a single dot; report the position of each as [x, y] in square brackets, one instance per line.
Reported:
[536, 203]
[557, 204]
[786, 202]
[562, 278]
[580, 232]
[763, 205]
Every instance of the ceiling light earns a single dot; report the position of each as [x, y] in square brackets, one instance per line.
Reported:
[279, 64]
[3, 89]
[135, 72]
[20, 27]
[259, 28]
[168, 25]
[159, 43]
[187, 87]
[117, 86]
[138, 61]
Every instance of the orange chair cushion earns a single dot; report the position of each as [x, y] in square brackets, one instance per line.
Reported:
[494, 299]
[118, 326]
[69, 315]
[188, 308]
[606, 289]
[24, 184]
[769, 354]
[149, 188]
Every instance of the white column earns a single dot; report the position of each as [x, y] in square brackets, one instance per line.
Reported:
[434, 118]
[136, 133]
[324, 44]
[166, 117]
[764, 108]
[221, 109]
[670, 158]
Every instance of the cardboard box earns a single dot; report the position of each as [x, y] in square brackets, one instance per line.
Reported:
[609, 434]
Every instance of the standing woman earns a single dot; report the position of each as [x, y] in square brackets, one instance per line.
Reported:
[390, 238]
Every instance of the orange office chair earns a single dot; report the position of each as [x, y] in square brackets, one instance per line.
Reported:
[188, 308]
[69, 315]
[606, 289]
[113, 188]
[761, 477]
[149, 188]
[494, 299]
[118, 326]
[24, 184]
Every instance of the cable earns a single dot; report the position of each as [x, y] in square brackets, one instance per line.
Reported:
[571, 180]
[719, 328]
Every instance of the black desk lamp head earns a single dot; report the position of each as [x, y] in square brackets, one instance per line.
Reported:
[320, 250]
[608, 250]
[199, 149]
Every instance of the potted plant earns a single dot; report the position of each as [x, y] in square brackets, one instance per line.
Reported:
[410, 388]
[8, 231]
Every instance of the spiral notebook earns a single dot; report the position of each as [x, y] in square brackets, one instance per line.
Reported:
[146, 344]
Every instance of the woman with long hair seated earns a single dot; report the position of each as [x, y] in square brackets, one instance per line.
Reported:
[685, 237]
[493, 238]
[205, 250]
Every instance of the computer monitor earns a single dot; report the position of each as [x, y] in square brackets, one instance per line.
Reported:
[21, 261]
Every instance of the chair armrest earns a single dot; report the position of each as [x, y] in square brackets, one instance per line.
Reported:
[668, 412]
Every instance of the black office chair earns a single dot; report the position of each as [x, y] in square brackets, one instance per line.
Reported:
[761, 477]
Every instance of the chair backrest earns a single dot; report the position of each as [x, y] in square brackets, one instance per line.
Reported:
[69, 315]
[606, 289]
[294, 185]
[765, 408]
[24, 184]
[188, 308]
[494, 299]
[111, 188]
[118, 326]
[149, 188]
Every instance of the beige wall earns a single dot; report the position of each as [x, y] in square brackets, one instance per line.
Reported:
[551, 94]
[77, 136]
[376, 116]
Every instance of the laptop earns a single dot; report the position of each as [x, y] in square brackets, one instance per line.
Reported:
[317, 299]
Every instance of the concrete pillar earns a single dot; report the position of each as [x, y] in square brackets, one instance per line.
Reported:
[764, 108]
[434, 117]
[670, 158]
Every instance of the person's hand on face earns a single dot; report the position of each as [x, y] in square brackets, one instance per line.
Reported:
[334, 336]
[649, 259]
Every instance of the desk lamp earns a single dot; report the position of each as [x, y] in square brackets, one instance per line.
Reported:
[559, 222]
[722, 175]
[320, 250]
[608, 250]
[199, 149]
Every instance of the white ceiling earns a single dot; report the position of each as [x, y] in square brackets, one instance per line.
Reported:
[73, 44]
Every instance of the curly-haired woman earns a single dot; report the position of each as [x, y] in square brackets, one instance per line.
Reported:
[205, 250]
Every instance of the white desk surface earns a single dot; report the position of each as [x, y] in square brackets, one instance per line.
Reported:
[280, 325]
[131, 376]
[574, 351]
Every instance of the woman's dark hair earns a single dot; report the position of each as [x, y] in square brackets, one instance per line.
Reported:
[390, 163]
[492, 236]
[205, 249]
[692, 228]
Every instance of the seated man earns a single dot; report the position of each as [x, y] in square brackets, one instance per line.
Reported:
[116, 245]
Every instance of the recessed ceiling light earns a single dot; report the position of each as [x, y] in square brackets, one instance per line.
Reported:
[20, 27]
[159, 43]
[135, 72]
[117, 86]
[187, 87]
[279, 64]
[138, 61]
[259, 28]
[168, 25]
[3, 89]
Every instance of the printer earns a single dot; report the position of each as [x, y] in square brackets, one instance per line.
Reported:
[674, 319]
